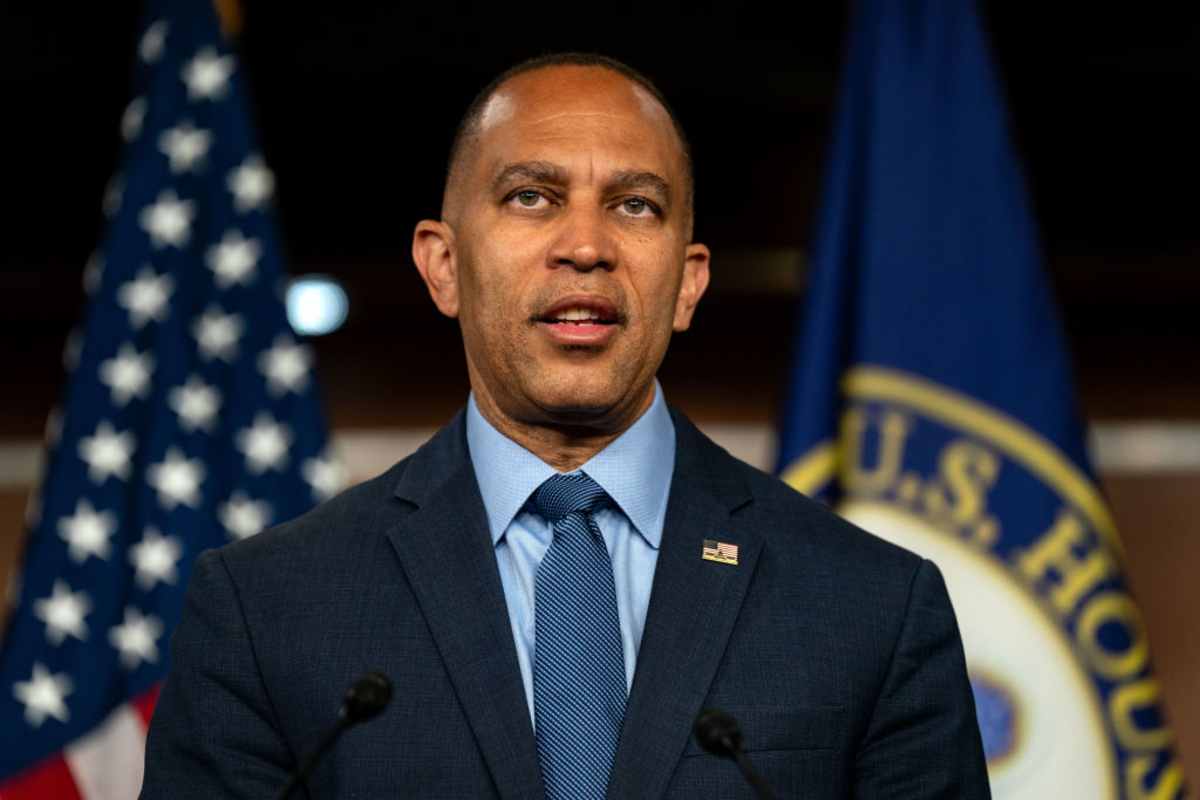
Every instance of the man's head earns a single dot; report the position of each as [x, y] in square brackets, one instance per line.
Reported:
[565, 246]
[466, 135]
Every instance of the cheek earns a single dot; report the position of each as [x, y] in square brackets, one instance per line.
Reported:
[495, 302]
[484, 284]
[657, 289]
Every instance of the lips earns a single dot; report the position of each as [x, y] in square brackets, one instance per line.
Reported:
[580, 320]
[581, 309]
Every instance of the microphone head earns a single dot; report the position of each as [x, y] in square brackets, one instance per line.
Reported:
[369, 695]
[718, 733]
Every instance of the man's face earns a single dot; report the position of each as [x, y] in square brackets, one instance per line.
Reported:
[567, 234]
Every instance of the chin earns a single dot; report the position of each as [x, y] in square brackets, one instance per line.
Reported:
[592, 396]
[577, 406]
[581, 398]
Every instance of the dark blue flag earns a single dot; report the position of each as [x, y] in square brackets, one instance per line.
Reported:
[190, 419]
[931, 402]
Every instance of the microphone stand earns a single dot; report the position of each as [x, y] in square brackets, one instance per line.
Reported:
[306, 766]
[369, 695]
[756, 781]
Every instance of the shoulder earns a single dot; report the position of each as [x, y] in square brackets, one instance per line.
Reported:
[352, 525]
[796, 515]
[795, 526]
[326, 534]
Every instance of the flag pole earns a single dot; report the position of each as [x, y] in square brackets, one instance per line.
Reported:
[230, 14]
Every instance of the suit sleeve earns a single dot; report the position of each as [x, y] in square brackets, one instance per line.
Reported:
[213, 733]
[923, 739]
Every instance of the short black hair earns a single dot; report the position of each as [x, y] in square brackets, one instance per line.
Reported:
[468, 125]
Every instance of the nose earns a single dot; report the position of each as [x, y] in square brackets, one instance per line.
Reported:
[584, 242]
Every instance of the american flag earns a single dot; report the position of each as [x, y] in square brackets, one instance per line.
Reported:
[190, 420]
[721, 552]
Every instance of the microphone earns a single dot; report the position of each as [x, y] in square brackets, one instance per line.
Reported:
[718, 733]
[369, 695]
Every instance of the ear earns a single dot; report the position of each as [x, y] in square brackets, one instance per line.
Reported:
[695, 281]
[433, 252]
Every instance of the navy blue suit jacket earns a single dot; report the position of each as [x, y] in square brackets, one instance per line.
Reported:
[837, 652]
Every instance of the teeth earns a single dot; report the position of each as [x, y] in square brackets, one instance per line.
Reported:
[576, 315]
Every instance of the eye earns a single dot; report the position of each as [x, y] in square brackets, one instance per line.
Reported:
[638, 207]
[528, 198]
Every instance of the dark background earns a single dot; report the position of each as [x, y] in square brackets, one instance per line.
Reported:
[356, 103]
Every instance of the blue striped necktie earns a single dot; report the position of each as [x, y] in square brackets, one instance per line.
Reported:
[578, 664]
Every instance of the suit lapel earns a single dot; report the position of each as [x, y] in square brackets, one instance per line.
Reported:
[450, 563]
[693, 606]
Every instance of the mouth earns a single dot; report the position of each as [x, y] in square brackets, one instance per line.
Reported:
[581, 320]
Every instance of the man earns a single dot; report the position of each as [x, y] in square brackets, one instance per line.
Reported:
[563, 577]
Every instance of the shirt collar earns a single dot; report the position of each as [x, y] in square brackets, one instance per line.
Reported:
[634, 469]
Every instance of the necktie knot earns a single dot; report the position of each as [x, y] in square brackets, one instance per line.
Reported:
[565, 494]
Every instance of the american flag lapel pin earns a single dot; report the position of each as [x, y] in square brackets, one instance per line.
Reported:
[720, 552]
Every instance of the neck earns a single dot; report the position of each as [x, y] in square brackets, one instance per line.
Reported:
[565, 445]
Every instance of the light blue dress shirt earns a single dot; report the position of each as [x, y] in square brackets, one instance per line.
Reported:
[634, 469]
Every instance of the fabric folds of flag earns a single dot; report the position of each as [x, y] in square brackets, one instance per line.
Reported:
[190, 419]
[931, 402]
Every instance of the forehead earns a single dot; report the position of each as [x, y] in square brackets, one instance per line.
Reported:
[572, 111]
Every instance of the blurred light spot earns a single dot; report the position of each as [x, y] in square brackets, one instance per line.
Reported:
[316, 305]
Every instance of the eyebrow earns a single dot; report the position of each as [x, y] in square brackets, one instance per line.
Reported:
[626, 181]
[550, 173]
[535, 171]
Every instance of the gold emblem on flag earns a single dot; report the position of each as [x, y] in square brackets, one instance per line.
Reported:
[720, 552]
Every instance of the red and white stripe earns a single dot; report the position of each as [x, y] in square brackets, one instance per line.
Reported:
[106, 764]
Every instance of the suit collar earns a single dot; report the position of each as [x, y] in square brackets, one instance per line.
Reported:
[702, 465]
[434, 463]
[446, 552]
